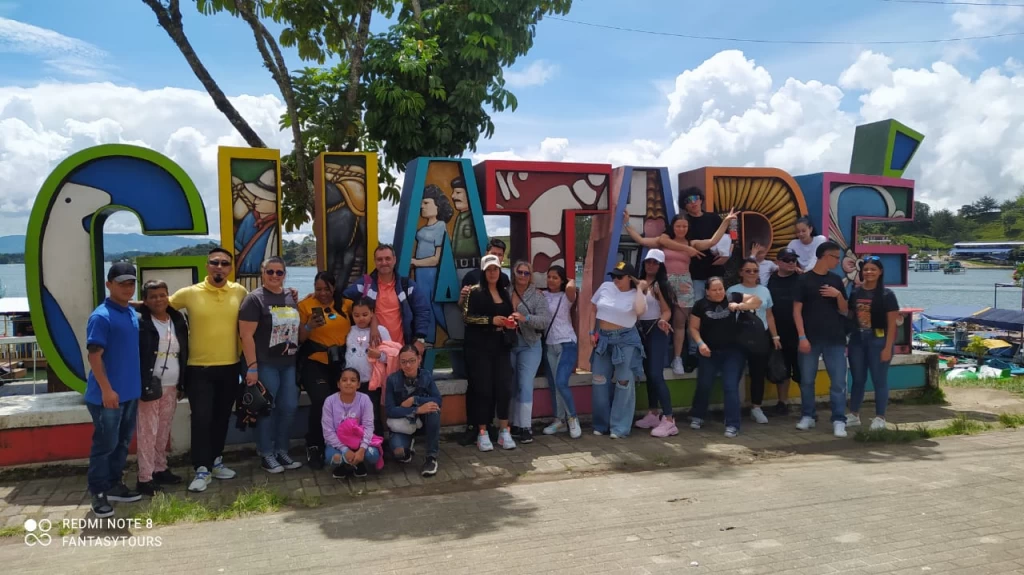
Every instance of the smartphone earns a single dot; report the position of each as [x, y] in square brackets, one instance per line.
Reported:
[318, 312]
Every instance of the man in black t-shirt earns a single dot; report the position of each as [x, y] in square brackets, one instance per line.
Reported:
[703, 226]
[819, 313]
[784, 284]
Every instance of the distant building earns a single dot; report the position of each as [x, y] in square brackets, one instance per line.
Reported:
[999, 251]
[875, 239]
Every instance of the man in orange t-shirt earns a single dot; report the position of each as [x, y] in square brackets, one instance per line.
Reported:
[401, 308]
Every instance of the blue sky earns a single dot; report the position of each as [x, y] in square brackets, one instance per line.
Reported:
[584, 92]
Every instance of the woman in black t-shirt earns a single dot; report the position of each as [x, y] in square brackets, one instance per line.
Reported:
[713, 328]
[874, 313]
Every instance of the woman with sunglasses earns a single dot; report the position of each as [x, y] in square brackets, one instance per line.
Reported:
[268, 323]
[532, 315]
[713, 327]
[757, 363]
[678, 253]
[325, 324]
[875, 313]
[617, 350]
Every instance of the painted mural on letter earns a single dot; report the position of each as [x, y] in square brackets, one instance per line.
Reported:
[345, 214]
[250, 209]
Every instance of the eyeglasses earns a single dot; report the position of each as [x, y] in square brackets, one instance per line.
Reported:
[219, 263]
[277, 273]
[523, 273]
[409, 361]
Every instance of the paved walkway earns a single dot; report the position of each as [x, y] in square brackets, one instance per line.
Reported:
[952, 506]
[464, 468]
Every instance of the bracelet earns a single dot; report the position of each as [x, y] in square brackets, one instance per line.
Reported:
[776, 338]
[253, 370]
[700, 343]
[803, 337]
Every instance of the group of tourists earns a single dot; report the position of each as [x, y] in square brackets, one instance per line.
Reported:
[358, 353]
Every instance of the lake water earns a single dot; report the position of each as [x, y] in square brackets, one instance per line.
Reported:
[925, 290]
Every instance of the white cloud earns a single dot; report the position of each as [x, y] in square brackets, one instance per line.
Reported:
[536, 74]
[869, 71]
[980, 20]
[63, 54]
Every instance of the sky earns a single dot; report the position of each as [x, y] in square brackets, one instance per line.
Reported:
[76, 74]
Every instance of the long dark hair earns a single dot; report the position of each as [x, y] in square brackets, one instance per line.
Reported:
[879, 317]
[328, 278]
[661, 278]
[564, 279]
[806, 220]
[671, 231]
[503, 285]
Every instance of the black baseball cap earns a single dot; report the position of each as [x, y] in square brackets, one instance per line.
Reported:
[622, 269]
[121, 272]
[787, 254]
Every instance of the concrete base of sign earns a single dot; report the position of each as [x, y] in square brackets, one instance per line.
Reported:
[55, 428]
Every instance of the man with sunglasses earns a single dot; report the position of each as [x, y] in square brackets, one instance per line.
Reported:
[783, 286]
[211, 377]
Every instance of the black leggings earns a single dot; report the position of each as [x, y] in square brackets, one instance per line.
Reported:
[490, 381]
[757, 367]
[317, 381]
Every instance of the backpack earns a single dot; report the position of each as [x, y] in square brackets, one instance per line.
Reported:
[750, 333]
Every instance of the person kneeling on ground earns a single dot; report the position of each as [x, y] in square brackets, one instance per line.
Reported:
[412, 400]
[349, 403]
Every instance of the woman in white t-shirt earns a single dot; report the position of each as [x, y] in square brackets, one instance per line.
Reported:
[618, 350]
[561, 351]
[806, 244]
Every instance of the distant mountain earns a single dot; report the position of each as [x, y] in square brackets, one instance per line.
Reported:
[117, 243]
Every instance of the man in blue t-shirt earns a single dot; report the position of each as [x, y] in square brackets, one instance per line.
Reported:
[113, 390]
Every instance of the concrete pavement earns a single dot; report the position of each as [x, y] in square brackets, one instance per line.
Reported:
[952, 506]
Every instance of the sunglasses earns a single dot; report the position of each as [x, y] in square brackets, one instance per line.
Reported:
[219, 263]
[523, 273]
[872, 259]
[691, 199]
[277, 273]
[788, 260]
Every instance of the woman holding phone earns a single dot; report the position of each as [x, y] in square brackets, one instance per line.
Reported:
[325, 324]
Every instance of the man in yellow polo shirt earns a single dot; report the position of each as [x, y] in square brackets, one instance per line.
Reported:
[212, 375]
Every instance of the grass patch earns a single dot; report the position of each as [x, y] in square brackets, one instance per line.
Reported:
[167, 509]
[16, 531]
[1011, 420]
[1013, 384]
[960, 425]
[309, 501]
[926, 396]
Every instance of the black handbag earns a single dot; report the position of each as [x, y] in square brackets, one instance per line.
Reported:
[750, 333]
[776, 371]
[153, 389]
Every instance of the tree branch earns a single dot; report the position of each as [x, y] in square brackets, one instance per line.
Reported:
[417, 11]
[356, 53]
[170, 20]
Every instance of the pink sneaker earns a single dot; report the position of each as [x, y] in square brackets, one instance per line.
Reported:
[649, 421]
[666, 428]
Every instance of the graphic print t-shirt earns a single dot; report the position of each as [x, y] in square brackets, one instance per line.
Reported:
[717, 323]
[277, 330]
[861, 301]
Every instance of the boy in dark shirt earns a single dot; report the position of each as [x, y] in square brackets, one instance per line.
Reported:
[784, 284]
[819, 313]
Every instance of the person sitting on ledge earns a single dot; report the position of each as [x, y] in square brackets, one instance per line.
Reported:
[412, 400]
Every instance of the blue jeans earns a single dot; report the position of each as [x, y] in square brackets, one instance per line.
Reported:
[865, 353]
[273, 432]
[525, 363]
[559, 367]
[656, 344]
[111, 435]
[615, 359]
[728, 361]
[432, 428]
[369, 458]
[699, 291]
[835, 364]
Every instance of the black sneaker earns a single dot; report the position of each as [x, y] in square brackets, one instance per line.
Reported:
[515, 431]
[121, 493]
[360, 470]
[101, 507]
[343, 471]
[165, 477]
[149, 488]
[270, 465]
[469, 438]
[409, 454]
[287, 462]
[429, 467]
[781, 408]
[525, 435]
[315, 457]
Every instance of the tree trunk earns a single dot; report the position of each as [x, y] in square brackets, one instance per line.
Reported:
[355, 57]
[170, 20]
[416, 10]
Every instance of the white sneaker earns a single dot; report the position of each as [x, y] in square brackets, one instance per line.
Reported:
[555, 427]
[877, 424]
[696, 422]
[505, 439]
[598, 433]
[613, 436]
[806, 423]
[483, 442]
[757, 415]
[852, 420]
[731, 432]
[574, 428]
[677, 366]
[202, 480]
[221, 472]
[839, 429]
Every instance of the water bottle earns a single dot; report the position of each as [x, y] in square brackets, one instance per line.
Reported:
[734, 227]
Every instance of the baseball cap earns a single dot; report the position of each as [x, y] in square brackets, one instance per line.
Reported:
[488, 261]
[656, 255]
[787, 254]
[121, 272]
[622, 269]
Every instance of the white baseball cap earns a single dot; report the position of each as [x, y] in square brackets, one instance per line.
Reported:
[656, 255]
[488, 261]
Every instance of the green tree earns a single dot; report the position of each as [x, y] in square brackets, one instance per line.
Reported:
[922, 218]
[986, 204]
[945, 225]
[424, 87]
